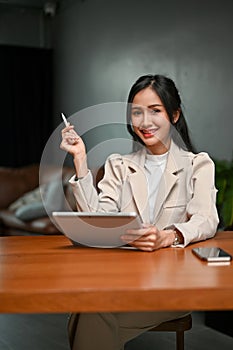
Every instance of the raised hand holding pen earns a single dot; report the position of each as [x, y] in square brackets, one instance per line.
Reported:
[69, 136]
[73, 143]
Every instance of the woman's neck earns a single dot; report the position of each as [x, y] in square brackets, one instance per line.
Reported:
[160, 147]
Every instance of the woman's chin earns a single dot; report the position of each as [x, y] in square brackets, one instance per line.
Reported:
[151, 141]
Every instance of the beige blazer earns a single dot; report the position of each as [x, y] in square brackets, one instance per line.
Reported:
[186, 197]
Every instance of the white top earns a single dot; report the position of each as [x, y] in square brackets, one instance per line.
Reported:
[155, 166]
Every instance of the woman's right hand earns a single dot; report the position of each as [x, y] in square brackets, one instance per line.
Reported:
[72, 142]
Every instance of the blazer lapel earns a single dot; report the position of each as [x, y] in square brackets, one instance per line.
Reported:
[138, 182]
[175, 163]
[139, 189]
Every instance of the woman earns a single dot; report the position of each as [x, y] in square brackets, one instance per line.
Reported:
[165, 182]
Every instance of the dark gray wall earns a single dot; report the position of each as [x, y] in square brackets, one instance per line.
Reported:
[101, 47]
[24, 26]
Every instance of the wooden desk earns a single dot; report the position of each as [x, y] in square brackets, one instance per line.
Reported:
[48, 274]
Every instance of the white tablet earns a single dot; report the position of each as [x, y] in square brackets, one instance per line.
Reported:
[96, 229]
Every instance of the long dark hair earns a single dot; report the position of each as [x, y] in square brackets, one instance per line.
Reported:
[165, 88]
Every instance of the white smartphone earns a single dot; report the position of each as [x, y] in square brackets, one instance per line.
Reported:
[64, 119]
[211, 254]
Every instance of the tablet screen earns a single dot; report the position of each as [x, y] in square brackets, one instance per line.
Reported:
[96, 229]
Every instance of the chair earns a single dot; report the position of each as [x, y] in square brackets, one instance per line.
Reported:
[179, 325]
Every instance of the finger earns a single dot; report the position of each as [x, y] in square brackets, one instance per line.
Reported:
[72, 140]
[74, 135]
[140, 238]
[145, 225]
[147, 249]
[138, 232]
[70, 134]
[67, 128]
[143, 234]
[130, 238]
[68, 142]
[146, 246]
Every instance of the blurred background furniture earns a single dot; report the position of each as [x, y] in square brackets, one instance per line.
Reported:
[21, 207]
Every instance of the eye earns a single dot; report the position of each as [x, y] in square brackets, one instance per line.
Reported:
[155, 111]
[136, 112]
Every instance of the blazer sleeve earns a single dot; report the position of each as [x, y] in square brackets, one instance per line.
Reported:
[201, 210]
[109, 198]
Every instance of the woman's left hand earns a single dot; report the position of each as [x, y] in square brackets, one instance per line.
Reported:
[148, 238]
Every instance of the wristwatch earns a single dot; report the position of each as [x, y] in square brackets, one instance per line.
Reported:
[179, 239]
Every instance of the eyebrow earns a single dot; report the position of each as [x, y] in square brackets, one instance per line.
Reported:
[151, 106]
[155, 105]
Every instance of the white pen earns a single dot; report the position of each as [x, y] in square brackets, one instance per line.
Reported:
[64, 119]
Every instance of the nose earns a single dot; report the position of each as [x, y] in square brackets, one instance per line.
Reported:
[146, 120]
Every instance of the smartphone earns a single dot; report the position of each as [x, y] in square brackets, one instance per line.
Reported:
[211, 254]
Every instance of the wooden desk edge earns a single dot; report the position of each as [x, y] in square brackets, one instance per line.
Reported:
[123, 300]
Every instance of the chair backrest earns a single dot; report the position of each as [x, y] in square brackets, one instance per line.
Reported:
[99, 175]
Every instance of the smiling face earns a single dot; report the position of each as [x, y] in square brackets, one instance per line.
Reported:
[150, 121]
